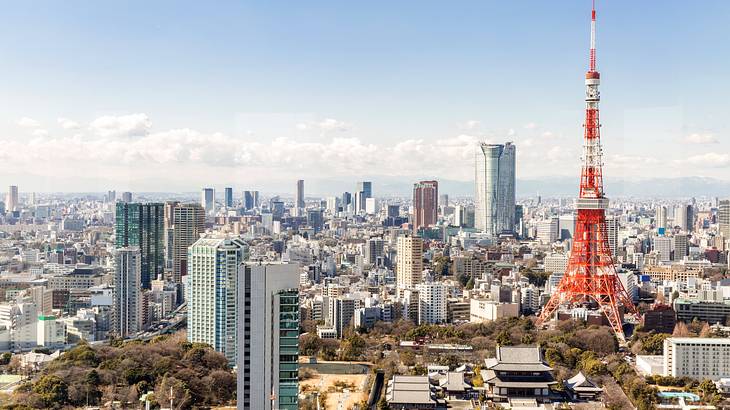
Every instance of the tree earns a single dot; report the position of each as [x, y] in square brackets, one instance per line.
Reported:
[441, 265]
[477, 380]
[309, 344]
[5, 358]
[52, 390]
[503, 338]
[680, 330]
[654, 343]
[352, 347]
[708, 388]
[408, 358]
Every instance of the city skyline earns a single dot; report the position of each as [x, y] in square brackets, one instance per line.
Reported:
[260, 130]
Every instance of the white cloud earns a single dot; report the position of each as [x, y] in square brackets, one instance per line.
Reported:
[26, 122]
[326, 125]
[710, 159]
[700, 139]
[68, 124]
[470, 125]
[39, 133]
[122, 125]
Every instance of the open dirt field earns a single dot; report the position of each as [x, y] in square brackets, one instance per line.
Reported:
[336, 398]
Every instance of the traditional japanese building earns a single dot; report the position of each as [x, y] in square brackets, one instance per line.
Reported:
[518, 372]
[580, 388]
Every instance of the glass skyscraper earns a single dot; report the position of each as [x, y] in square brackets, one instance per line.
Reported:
[495, 188]
[142, 226]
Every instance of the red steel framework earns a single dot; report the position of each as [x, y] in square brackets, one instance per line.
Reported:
[590, 277]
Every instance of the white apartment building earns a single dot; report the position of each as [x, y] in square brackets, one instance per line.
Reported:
[530, 298]
[213, 265]
[432, 302]
[698, 358]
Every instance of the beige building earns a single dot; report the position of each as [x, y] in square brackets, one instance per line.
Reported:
[483, 310]
[409, 268]
[672, 273]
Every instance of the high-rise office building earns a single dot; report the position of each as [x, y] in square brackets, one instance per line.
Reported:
[250, 200]
[213, 265]
[111, 196]
[187, 224]
[127, 197]
[723, 218]
[299, 203]
[684, 217]
[207, 200]
[12, 203]
[393, 211]
[373, 250]
[663, 246]
[363, 192]
[366, 187]
[495, 188]
[425, 204]
[346, 200]
[229, 197]
[142, 225]
[268, 336]
[127, 308]
[681, 246]
[409, 268]
[315, 219]
[661, 217]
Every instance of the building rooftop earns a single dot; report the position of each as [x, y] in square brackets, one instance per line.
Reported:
[700, 340]
[410, 389]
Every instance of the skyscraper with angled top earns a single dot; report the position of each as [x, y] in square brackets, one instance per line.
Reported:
[495, 188]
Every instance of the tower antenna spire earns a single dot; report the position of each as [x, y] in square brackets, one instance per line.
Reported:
[592, 67]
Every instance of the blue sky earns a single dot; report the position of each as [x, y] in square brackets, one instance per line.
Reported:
[264, 92]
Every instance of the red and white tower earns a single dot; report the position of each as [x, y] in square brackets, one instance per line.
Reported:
[590, 278]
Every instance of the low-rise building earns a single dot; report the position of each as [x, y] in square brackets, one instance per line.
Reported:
[410, 392]
[482, 310]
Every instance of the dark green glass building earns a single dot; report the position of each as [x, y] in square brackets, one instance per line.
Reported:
[142, 225]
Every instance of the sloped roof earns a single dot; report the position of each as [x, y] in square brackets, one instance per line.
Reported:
[581, 382]
[454, 382]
